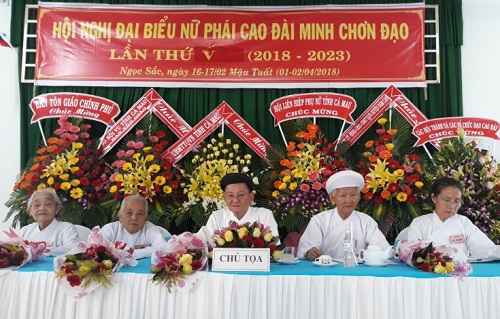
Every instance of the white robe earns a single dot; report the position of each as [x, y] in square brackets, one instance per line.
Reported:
[60, 237]
[221, 218]
[146, 241]
[326, 232]
[457, 231]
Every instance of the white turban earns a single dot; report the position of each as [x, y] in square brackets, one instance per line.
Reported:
[345, 179]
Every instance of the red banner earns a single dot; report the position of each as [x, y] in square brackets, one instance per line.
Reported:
[129, 120]
[367, 119]
[199, 132]
[247, 133]
[74, 104]
[437, 129]
[330, 105]
[200, 46]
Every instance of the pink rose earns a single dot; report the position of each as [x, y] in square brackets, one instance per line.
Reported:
[304, 187]
[139, 132]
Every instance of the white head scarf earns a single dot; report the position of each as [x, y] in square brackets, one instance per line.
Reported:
[345, 179]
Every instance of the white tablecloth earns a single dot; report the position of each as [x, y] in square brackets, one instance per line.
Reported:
[36, 295]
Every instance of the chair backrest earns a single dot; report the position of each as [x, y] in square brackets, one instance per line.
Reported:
[83, 232]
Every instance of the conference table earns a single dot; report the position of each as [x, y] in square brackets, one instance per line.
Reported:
[301, 290]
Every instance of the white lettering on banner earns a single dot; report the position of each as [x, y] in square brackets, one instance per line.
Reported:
[261, 144]
[241, 127]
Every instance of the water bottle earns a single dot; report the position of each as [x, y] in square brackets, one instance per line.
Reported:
[349, 256]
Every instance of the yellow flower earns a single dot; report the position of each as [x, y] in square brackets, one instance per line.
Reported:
[75, 182]
[268, 237]
[50, 180]
[382, 121]
[228, 236]
[287, 178]
[167, 189]
[136, 155]
[256, 233]
[389, 146]
[277, 255]
[113, 189]
[293, 186]
[220, 241]
[127, 166]
[186, 259]
[282, 186]
[150, 157]
[243, 231]
[236, 146]
[440, 269]
[84, 270]
[419, 184]
[77, 146]
[402, 196]
[108, 263]
[275, 194]
[146, 149]
[154, 168]
[65, 186]
[76, 193]
[450, 266]
[160, 180]
[41, 186]
[187, 269]
[64, 177]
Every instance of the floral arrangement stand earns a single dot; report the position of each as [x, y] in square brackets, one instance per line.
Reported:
[424, 256]
[181, 264]
[89, 265]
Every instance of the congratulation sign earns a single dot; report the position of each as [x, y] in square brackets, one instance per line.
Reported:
[74, 104]
[241, 259]
[200, 46]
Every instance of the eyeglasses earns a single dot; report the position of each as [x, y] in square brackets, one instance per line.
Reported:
[451, 202]
[230, 196]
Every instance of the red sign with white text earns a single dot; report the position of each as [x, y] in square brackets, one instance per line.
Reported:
[199, 132]
[74, 104]
[367, 119]
[129, 120]
[330, 105]
[200, 46]
[247, 133]
[438, 129]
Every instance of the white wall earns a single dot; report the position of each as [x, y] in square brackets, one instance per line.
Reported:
[479, 70]
[9, 117]
[480, 64]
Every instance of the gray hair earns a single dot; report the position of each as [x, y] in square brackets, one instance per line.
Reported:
[132, 198]
[50, 193]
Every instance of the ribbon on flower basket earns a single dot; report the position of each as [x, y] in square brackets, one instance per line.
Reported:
[424, 256]
[181, 263]
[16, 252]
[90, 264]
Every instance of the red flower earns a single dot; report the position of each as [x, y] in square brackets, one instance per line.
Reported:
[74, 280]
[259, 242]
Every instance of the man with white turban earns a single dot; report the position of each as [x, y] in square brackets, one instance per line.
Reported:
[325, 232]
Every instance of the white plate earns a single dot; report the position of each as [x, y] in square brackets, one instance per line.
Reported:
[320, 264]
[479, 260]
[296, 261]
[385, 263]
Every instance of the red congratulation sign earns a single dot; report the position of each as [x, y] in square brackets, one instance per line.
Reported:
[331, 105]
[199, 132]
[437, 129]
[74, 104]
[129, 120]
[209, 46]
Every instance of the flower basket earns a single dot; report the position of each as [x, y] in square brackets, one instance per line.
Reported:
[89, 265]
[179, 265]
[72, 166]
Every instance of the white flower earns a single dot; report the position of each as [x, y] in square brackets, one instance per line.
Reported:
[255, 180]
[245, 169]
